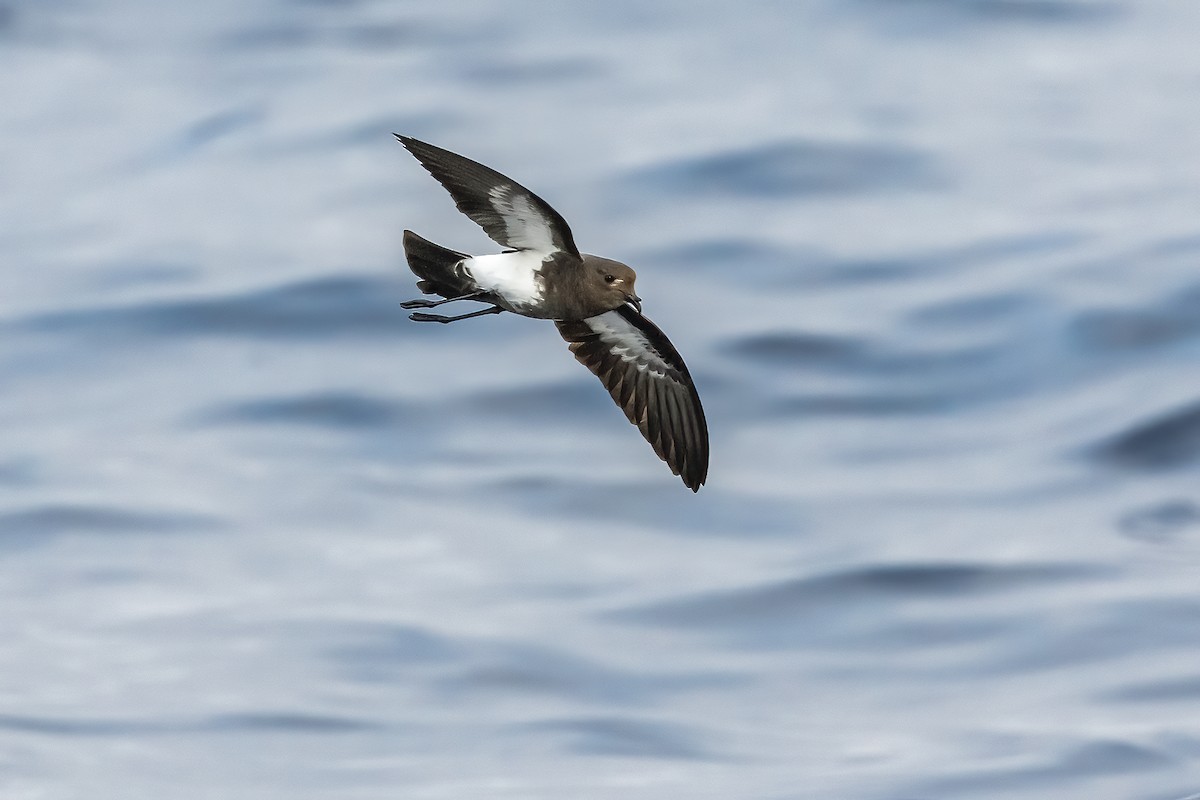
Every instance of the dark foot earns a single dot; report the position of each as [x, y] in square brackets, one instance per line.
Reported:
[423, 303]
[419, 317]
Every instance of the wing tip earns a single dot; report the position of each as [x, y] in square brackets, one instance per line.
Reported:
[409, 142]
[422, 151]
[692, 480]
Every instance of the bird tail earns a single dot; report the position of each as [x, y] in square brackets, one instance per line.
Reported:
[435, 266]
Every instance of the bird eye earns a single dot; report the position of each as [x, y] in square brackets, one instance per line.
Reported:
[609, 278]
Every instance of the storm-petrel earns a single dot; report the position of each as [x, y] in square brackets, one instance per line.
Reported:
[591, 299]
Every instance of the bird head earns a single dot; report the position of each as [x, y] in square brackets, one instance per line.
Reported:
[614, 282]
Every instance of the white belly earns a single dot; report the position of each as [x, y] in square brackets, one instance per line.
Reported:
[513, 276]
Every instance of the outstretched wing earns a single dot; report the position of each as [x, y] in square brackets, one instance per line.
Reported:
[508, 212]
[645, 375]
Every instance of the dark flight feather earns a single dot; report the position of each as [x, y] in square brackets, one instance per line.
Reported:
[648, 380]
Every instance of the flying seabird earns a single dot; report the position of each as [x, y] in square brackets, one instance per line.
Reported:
[542, 274]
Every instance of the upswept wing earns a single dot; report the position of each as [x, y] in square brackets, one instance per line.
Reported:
[647, 378]
[508, 212]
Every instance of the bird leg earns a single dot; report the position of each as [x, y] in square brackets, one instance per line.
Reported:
[419, 317]
[423, 303]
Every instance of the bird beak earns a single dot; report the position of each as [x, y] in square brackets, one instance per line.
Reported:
[634, 301]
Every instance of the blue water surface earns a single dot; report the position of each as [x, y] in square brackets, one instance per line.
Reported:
[934, 264]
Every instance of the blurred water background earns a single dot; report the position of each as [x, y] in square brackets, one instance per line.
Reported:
[935, 265]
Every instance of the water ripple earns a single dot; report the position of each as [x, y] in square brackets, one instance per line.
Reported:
[1058, 769]
[643, 505]
[536, 670]
[299, 34]
[839, 594]
[1166, 441]
[283, 722]
[1175, 319]
[936, 15]
[61, 518]
[322, 409]
[307, 309]
[390, 652]
[1160, 523]
[792, 349]
[625, 737]
[793, 169]
[919, 381]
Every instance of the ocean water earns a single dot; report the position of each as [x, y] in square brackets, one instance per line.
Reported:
[934, 264]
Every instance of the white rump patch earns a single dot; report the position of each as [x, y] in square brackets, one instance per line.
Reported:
[513, 276]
